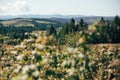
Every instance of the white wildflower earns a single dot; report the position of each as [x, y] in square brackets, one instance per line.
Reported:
[98, 33]
[81, 32]
[13, 52]
[70, 50]
[81, 55]
[40, 79]
[20, 57]
[3, 58]
[17, 46]
[48, 54]
[45, 61]
[64, 63]
[45, 38]
[23, 46]
[40, 46]
[24, 77]
[33, 57]
[34, 52]
[17, 69]
[32, 66]
[25, 69]
[68, 62]
[29, 40]
[71, 71]
[73, 62]
[36, 73]
[26, 33]
[75, 50]
[81, 68]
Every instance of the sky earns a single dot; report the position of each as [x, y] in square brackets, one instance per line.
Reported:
[63, 7]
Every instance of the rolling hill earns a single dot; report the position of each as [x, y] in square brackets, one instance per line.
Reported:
[31, 20]
[27, 22]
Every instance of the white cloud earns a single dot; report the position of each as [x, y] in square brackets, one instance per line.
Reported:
[16, 7]
[1, 10]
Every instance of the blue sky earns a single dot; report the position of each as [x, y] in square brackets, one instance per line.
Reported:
[64, 7]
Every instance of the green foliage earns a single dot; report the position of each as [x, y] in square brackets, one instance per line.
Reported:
[49, 72]
[38, 57]
[81, 22]
[71, 29]
[11, 42]
[102, 20]
[51, 30]
[100, 32]
[1, 40]
[73, 77]
[107, 32]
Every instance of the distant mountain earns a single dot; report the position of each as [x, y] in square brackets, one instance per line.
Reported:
[91, 19]
[56, 18]
[44, 16]
[39, 16]
[18, 22]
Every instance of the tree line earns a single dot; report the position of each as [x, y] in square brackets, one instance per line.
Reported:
[104, 31]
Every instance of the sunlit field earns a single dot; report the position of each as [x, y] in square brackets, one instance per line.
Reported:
[41, 58]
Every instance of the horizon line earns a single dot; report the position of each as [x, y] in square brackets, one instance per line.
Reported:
[60, 15]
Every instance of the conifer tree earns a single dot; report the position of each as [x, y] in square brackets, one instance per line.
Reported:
[51, 30]
[72, 25]
[81, 22]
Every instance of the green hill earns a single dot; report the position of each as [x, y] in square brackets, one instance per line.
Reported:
[27, 22]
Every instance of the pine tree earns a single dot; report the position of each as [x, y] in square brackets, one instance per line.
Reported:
[116, 29]
[71, 25]
[102, 20]
[82, 25]
[66, 29]
[81, 22]
[51, 30]
[116, 21]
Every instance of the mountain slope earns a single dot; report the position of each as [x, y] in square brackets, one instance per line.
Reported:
[28, 22]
